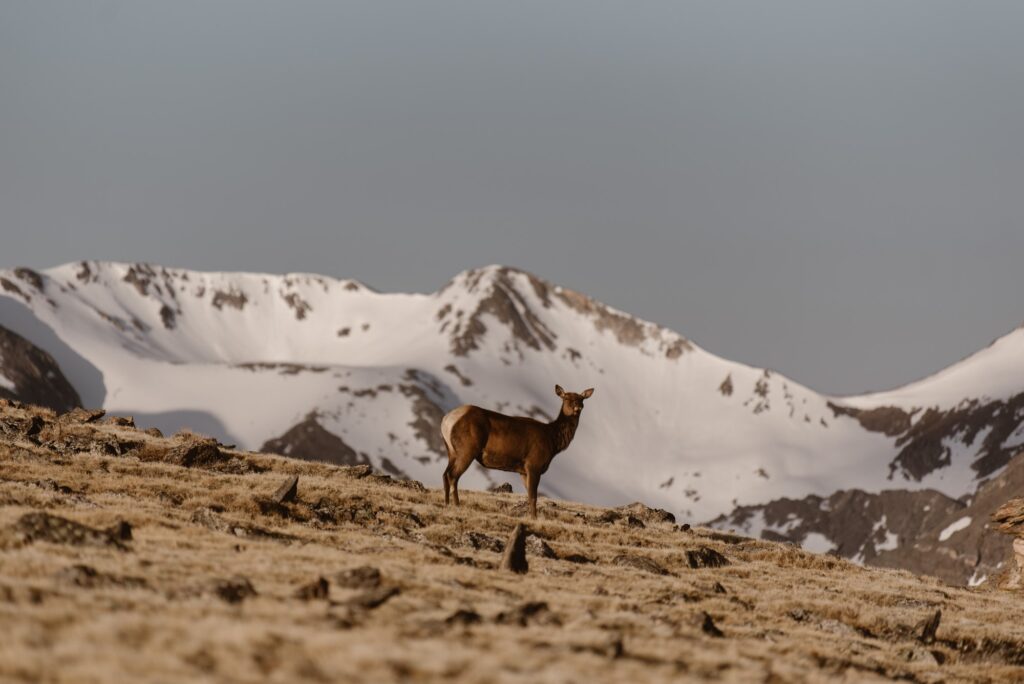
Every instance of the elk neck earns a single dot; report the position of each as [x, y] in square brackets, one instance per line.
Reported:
[561, 430]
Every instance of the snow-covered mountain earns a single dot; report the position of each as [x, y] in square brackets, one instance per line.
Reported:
[318, 367]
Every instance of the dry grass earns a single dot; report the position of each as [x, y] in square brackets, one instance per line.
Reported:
[163, 609]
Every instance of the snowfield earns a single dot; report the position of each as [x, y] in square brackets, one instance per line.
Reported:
[245, 357]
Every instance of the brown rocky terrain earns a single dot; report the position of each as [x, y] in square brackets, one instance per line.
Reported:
[35, 375]
[129, 556]
[922, 531]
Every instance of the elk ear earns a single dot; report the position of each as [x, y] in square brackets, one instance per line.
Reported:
[559, 391]
[587, 393]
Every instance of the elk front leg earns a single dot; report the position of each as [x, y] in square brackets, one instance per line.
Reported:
[532, 481]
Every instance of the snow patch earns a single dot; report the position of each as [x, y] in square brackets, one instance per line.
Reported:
[817, 543]
[892, 541]
[955, 527]
[976, 579]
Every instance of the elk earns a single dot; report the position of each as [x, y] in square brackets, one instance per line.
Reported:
[512, 443]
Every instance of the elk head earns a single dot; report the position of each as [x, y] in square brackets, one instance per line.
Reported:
[572, 403]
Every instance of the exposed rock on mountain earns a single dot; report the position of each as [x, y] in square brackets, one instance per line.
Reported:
[922, 531]
[31, 375]
[309, 441]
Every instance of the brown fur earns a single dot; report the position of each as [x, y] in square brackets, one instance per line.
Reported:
[512, 443]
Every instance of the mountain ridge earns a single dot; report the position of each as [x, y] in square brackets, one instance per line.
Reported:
[250, 357]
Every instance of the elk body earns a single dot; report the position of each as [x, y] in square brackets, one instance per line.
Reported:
[512, 443]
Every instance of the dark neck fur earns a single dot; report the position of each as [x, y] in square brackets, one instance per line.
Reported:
[562, 429]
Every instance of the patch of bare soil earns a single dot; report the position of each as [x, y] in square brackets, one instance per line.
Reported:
[125, 556]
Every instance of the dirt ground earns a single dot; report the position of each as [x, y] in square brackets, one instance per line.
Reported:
[127, 556]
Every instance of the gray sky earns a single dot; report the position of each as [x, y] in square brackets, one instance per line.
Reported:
[832, 190]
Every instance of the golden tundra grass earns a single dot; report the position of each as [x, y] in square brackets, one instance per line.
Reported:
[785, 615]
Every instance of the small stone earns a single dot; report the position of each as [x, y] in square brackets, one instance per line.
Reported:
[318, 589]
[709, 627]
[81, 415]
[646, 513]
[515, 552]
[640, 563]
[120, 421]
[531, 612]
[503, 488]
[287, 492]
[357, 471]
[538, 547]
[363, 577]
[718, 588]
[374, 598]
[34, 426]
[685, 527]
[121, 530]
[634, 522]
[929, 627]
[233, 590]
[609, 517]
[705, 558]
[463, 617]
[478, 541]
[43, 527]
[578, 558]
[153, 432]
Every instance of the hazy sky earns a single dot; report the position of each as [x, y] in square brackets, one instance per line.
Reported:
[833, 190]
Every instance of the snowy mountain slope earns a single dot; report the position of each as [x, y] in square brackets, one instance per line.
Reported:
[248, 357]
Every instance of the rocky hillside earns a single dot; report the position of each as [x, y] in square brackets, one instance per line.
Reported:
[129, 556]
[29, 374]
[316, 367]
[922, 531]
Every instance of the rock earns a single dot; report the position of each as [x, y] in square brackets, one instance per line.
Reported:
[287, 492]
[709, 627]
[916, 654]
[515, 552]
[81, 415]
[357, 471]
[634, 522]
[532, 612]
[578, 558]
[318, 589]
[120, 421]
[705, 558]
[608, 517]
[363, 577]
[463, 617]
[538, 547]
[640, 563]
[646, 513]
[233, 590]
[373, 598]
[121, 530]
[685, 527]
[718, 588]
[196, 455]
[503, 488]
[211, 519]
[33, 426]
[479, 541]
[929, 627]
[87, 577]
[43, 527]
[153, 432]
[54, 486]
